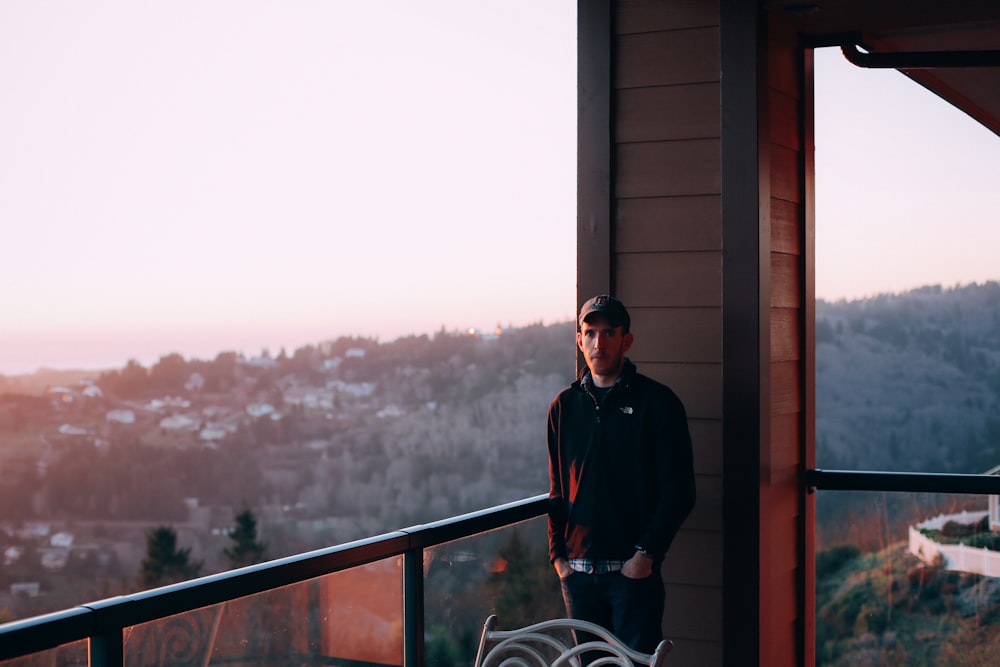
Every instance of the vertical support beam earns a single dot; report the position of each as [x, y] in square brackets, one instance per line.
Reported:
[745, 341]
[594, 248]
[413, 608]
[593, 171]
[107, 649]
[808, 554]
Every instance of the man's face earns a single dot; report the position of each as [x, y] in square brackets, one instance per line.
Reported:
[604, 348]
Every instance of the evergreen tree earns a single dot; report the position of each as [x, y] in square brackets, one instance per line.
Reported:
[245, 550]
[164, 562]
[523, 585]
[441, 650]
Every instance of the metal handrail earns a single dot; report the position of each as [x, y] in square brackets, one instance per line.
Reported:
[917, 482]
[103, 621]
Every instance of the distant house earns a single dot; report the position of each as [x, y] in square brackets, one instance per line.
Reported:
[169, 402]
[12, 554]
[54, 558]
[62, 394]
[216, 412]
[69, 429]
[357, 389]
[120, 416]
[92, 391]
[212, 433]
[390, 411]
[492, 335]
[34, 530]
[195, 382]
[62, 539]
[28, 588]
[259, 409]
[179, 423]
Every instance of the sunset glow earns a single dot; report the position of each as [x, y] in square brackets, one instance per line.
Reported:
[245, 175]
[241, 175]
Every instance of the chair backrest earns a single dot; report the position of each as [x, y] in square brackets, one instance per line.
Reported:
[551, 644]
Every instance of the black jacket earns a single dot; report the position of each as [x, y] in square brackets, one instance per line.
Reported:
[621, 473]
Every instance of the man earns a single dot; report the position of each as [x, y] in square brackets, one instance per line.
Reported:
[621, 482]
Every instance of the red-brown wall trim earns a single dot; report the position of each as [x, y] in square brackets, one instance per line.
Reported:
[808, 556]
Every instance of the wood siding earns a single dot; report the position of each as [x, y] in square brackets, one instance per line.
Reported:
[707, 243]
[667, 267]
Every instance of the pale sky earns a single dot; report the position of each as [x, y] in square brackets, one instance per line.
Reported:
[195, 177]
[907, 192]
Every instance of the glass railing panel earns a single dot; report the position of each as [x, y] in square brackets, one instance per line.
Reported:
[73, 654]
[906, 579]
[354, 616]
[504, 572]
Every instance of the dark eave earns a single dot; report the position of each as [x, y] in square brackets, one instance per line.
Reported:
[968, 30]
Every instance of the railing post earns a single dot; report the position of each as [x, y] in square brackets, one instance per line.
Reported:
[413, 608]
[107, 649]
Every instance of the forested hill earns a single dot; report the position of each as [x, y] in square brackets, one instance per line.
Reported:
[910, 381]
[426, 427]
[376, 435]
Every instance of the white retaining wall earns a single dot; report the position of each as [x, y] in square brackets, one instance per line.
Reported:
[955, 556]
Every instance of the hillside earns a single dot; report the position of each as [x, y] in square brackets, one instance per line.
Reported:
[384, 434]
[910, 381]
[887, 608]
[335, 442]
[905, 382]
[353, 437]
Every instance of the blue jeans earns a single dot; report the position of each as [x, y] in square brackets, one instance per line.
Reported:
[631, 609]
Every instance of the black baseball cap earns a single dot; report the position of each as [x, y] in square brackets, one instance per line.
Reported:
[608, 306]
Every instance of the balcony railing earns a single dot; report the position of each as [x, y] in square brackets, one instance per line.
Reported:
[102, 630]
[105, 623]
[917, 482]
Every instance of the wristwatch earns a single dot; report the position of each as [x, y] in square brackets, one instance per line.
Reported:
[643, 552]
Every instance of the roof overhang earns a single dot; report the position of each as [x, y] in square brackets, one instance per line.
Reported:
[951, 47]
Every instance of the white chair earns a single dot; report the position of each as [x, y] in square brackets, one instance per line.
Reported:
[551, 644]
